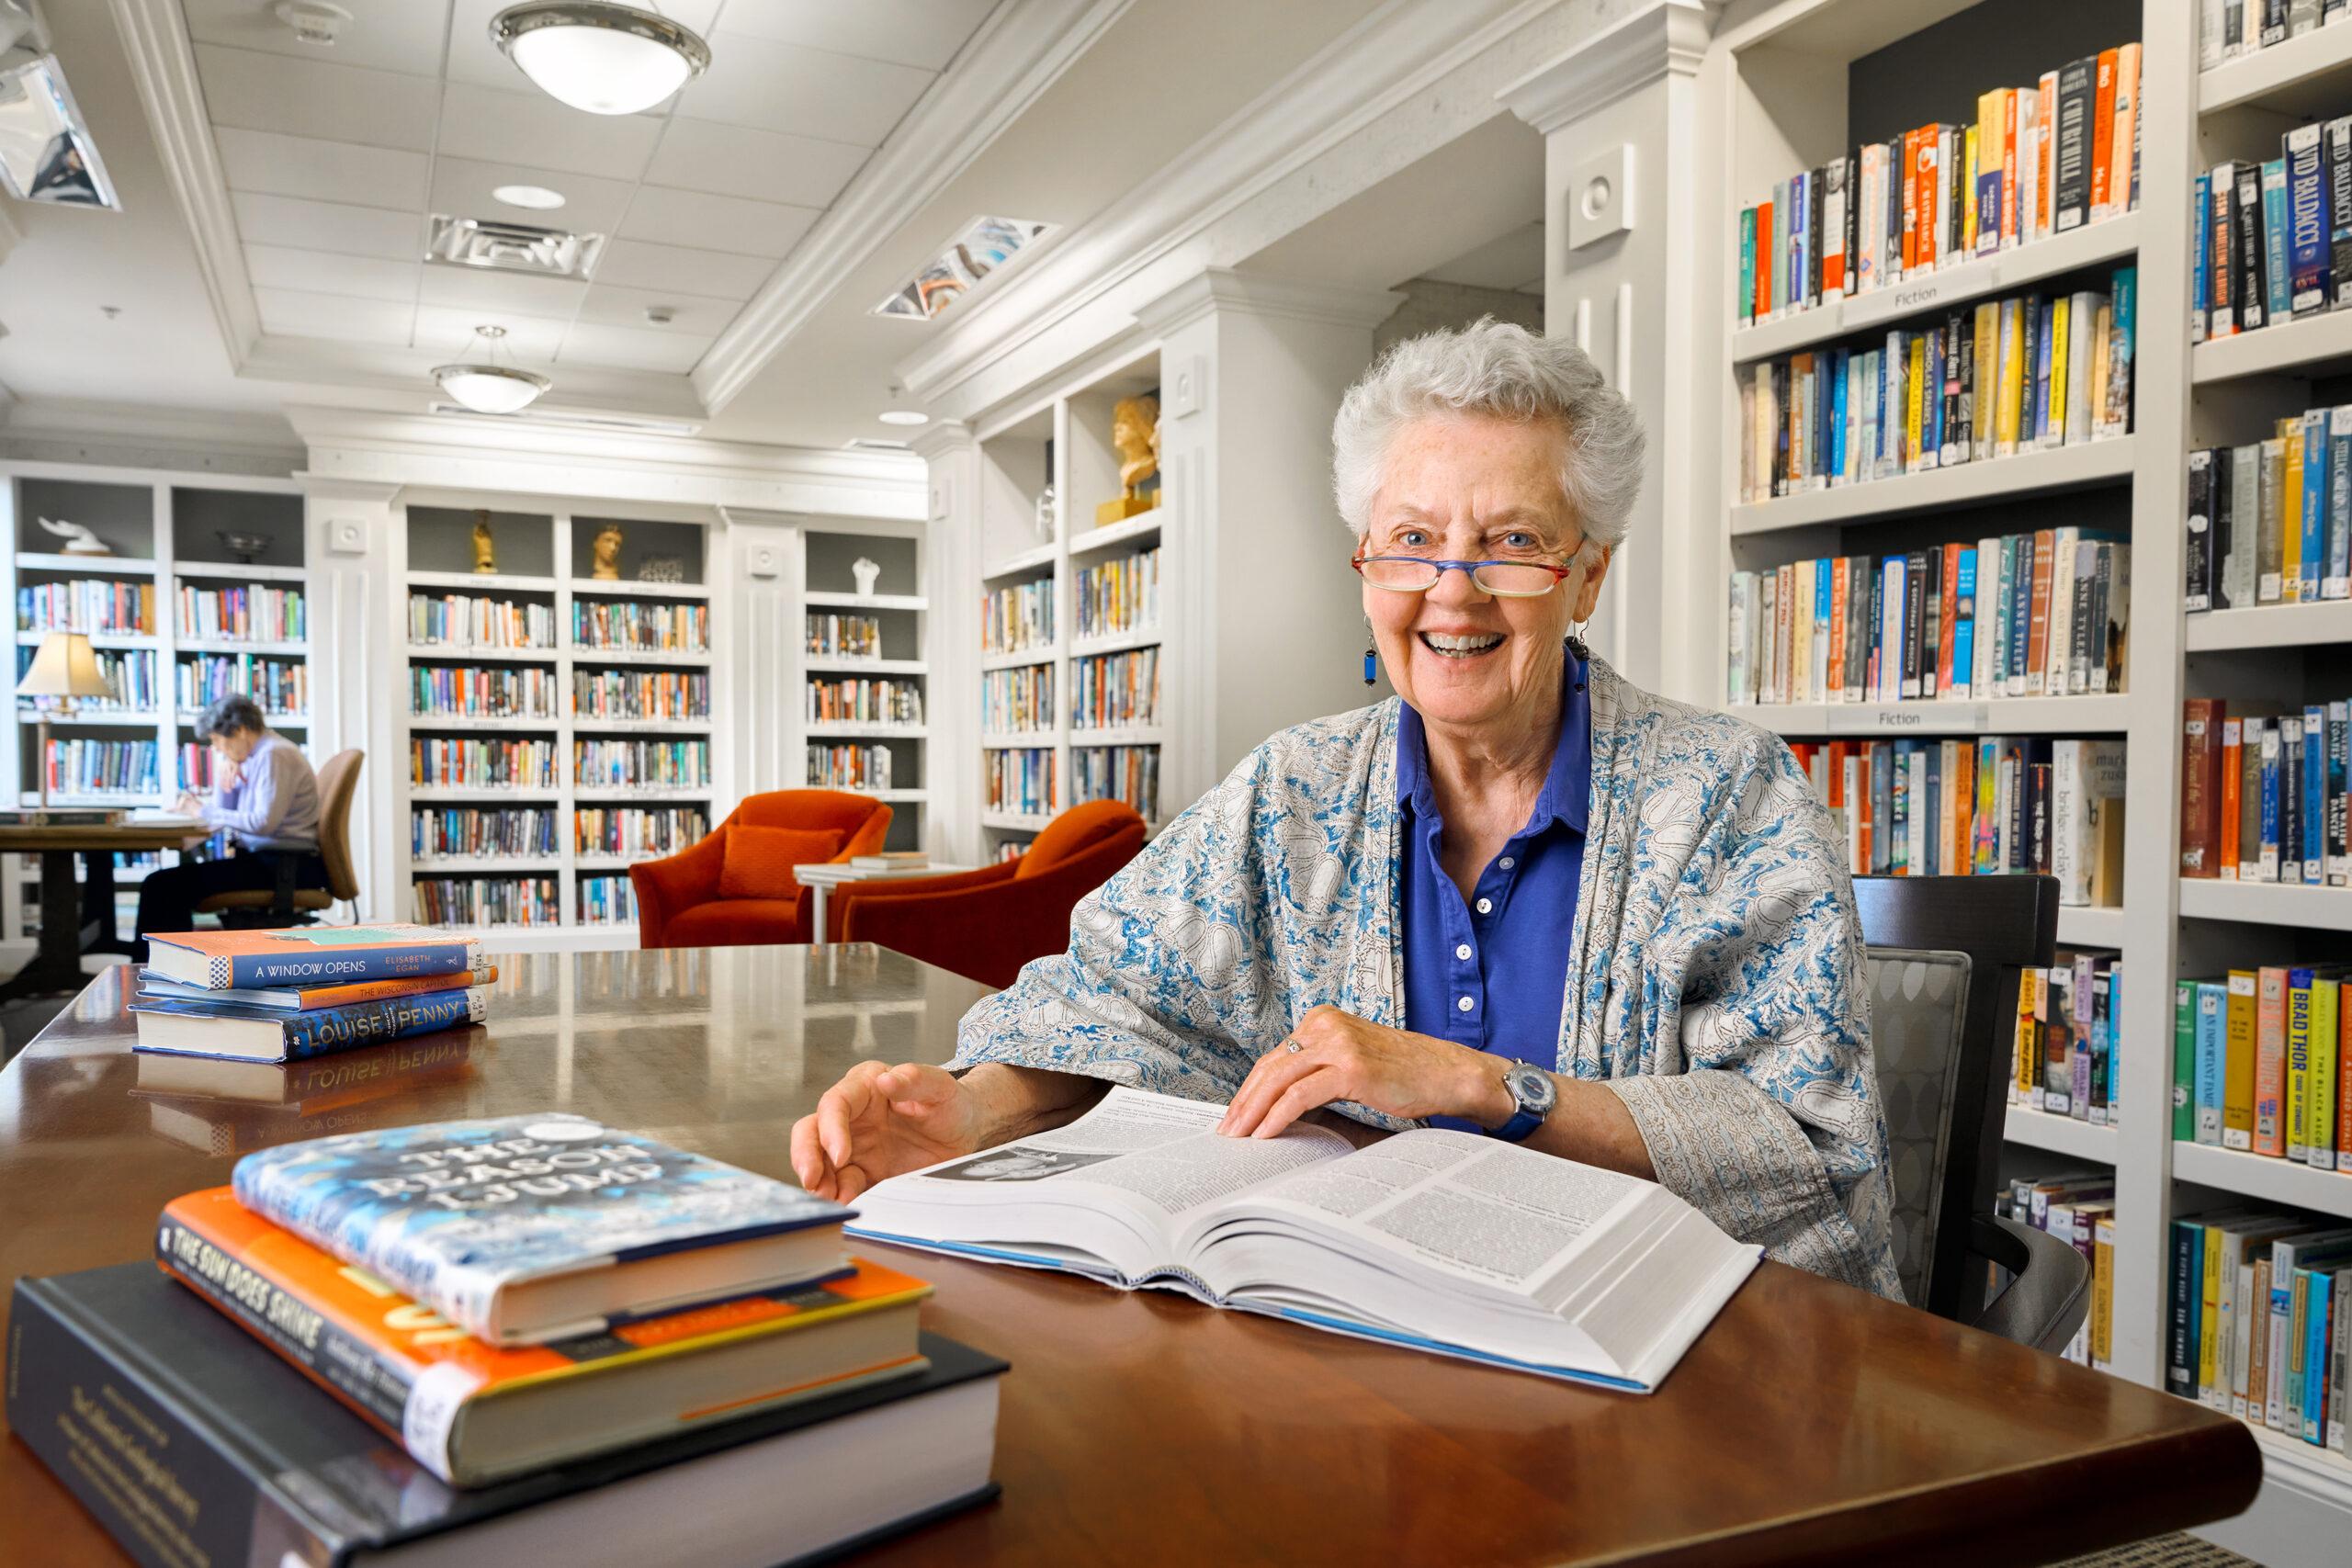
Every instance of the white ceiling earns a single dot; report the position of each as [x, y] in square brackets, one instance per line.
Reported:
[335, 159]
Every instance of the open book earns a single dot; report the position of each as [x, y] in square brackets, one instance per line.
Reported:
[1444, 1241]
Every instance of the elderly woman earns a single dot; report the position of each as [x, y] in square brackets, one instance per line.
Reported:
[1524, 897]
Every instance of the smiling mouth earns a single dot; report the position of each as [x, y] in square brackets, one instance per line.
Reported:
[1475, 646]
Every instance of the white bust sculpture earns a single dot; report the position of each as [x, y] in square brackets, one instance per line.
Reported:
[79, 541]
[867, 573]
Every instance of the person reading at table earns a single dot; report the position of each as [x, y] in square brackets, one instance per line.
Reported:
[267, 797]
[1522, 896]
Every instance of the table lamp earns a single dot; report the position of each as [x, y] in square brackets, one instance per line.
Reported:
[64, 667]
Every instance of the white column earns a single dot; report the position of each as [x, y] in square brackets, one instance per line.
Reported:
[756, 607]
[1626, 254]
[357, 553]
[951, 557]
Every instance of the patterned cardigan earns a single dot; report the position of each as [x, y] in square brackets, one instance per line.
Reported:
[1715, 978]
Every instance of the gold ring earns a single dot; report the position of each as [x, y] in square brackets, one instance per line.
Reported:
[1293, 1046]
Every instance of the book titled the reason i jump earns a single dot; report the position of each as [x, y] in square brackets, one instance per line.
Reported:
[523, 1229]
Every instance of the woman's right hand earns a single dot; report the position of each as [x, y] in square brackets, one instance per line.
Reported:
[881, 1121]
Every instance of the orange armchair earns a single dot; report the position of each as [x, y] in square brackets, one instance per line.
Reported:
[986, 924]
[679, 902]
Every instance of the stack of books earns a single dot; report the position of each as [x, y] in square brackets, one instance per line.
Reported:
[2259, 1064]
[2272, 238]
[527, 1326]
[893, 860]
[2063, 1061]
[2260, 1325]
[2271, 522]
[2077, 1207]
[280, 995]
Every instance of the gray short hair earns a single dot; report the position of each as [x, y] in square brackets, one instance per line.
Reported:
[231, 715]
[1494, 368]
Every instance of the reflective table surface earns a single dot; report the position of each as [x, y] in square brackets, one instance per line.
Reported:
[1810, 1424]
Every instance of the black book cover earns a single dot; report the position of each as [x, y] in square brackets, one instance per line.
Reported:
[1851, 176]
[1813, 237]
[1963, 423]
[2036, 777]
[1784, 389]
[1959, 352]
[2336, 169]
[2070, 205]
[2220, 522]
[1915, 582]
[203, 1441]
[2180, 1336]
[1858, 623]
[2245, 222]
[2274, 22]
[1931, 594]
[1891, 220]
[2291, 796]
[2198, 558]
[1873, 676]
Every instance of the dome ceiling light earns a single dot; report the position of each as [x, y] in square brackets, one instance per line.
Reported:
[599, 56]
[484, 385]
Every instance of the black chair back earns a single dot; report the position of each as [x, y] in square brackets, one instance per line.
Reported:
[1946, 1095]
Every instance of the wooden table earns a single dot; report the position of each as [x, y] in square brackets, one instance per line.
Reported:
[1810, 1424]
[67, 914]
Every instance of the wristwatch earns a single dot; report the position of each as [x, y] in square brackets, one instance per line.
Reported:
[1535, 1093]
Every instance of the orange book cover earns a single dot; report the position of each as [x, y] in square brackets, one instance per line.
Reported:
[1764, 260]
[1947, 612]
[1837, 659]
[2010, 234]
[1864, 847]
[2037, 637]
[2103, 131]
[1910, 200]
[2233, 758]
[1960, 790]
[2269, 1062]
[372, 1348]
[1928, 176]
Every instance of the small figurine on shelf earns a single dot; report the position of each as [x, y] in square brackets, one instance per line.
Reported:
[662, 569]
[1048, 514]
[485, 555]
[867, 573]
[607, 566]
[79, 540]
[245, 547]
[1134, 432]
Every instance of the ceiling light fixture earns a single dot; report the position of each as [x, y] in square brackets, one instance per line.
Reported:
[598, 56]
[485, 386]
[537, 198]
[315, 22]
[904, 416]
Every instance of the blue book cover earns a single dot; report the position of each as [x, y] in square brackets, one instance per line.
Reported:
[2045, 322]
[1963, 624]
[2309, 286]
[453, 1214]
[1988, 212]
[2316, 493]
[1840, 369]
[2020, 609]
[2337, 582]
[2200, 292]
[2121, 323]
[2212, 997]
[2183, 1324]
[178, 1026]
[2314, 781]
[2316, 1283]
[309, 955]
[2270, 847]
[2279, 293]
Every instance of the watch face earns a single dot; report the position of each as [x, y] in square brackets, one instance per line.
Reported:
[1532, 1088]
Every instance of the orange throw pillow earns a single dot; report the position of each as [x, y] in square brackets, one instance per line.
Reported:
[760, 859]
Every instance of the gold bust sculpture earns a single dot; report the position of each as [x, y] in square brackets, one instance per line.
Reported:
[485, 556]
[607, 566]
[1135, 433]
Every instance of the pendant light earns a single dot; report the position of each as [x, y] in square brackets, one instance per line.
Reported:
[484, 385]
[599, 56]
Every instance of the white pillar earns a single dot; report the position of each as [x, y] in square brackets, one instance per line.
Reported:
[358, 553]
[1626, 254]
[951, 556]
[758, 586]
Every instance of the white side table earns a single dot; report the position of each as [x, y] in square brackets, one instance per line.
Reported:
[821, 879]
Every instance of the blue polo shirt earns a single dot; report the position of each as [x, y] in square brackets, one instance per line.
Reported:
[1491, 973]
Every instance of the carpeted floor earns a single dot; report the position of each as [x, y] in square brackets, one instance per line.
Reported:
[2164, 1552]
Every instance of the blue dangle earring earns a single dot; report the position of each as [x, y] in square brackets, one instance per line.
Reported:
[1371, 655]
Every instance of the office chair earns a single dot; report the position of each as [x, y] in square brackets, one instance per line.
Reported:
[1944, 956]
[259, 909]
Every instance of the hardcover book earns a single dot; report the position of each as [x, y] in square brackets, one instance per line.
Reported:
[310, 998]
[309, 955]
[178, 1027]
[537, 1227]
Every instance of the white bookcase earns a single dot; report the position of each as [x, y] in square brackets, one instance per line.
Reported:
[166, 529]
[1791, 84]
[900, 608]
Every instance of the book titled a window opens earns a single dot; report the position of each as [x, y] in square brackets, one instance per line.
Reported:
[523, 1229]
[1440, 1240]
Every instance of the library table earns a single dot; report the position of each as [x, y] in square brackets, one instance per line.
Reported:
[75, 920]
[1810, 1424]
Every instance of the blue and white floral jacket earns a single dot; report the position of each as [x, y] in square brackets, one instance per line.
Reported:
[1715, 980]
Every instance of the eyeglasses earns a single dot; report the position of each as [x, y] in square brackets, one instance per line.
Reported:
[1502, 579]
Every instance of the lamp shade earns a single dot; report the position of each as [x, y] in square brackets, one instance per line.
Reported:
[65, 666]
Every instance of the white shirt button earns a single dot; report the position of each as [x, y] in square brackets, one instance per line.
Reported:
[1462, 952]
[1485, 905]
[1465, 1004]
[1507, 863]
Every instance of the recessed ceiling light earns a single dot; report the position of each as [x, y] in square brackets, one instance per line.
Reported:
[484, 385]
[539, 199]
[598, 56]
[904, 416]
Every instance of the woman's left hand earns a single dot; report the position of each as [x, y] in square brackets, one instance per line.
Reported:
[1341, 1057]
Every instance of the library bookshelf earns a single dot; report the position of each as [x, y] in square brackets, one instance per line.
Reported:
[216, 553]
[865, 718]
[1795, 83]
[1041, 647]
[543, 708]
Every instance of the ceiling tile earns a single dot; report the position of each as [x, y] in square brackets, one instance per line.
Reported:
[485, 288]
[474, 59]
[763, 165]
[323, 171]
[321, 272]
[804, 92]
[531, 128]
[636, 264]
[383, 35]
[630, 349]
[716, 222]
[293, 313]
[316, 97]
[462, 186]
[451, 333]
[328, 226]
[610, 305]
[924, 33]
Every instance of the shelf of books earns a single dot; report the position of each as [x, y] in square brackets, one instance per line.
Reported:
[197, 580]
[865, 669]
[1071, 632]
[559, 713]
